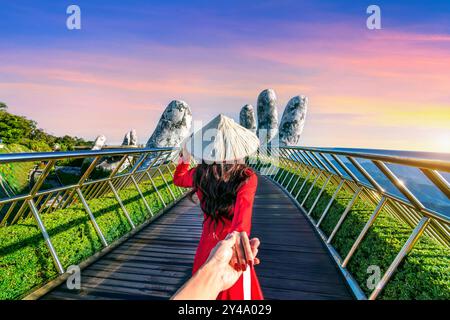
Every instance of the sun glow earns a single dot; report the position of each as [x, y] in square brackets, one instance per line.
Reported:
[442, 143]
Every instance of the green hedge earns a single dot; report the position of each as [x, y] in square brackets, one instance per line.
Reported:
[15, 174]
[424, 274]
[25, 262]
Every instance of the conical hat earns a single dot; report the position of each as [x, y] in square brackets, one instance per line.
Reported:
[221, 140]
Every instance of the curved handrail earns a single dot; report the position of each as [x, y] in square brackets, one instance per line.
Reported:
[61, 155]
[145, 164]
[407, 159]
[131, 167]
[303, 167]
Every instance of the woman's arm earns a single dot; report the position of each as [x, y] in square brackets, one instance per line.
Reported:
[243, 207]
[183, 176]
[242, 222]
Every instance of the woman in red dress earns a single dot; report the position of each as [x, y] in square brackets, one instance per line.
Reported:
[226, 190]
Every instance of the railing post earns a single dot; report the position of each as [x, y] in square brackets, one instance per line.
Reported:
[47, 240]
[344, 214]
[156, 189]
[325, 211]
[364, 231]
[438, 181]
[103, 186]
[285, 161]
[142, 196]
[167, 166]
[146, 172]
[167, 185]
[125, 211]
[409, 244]
[43, 204]
[83, 178]
[137, 165]
[300, 176]
[295, 165]
[8, 213]
[299, 166]
[35, 189]
[304, 183]
[273, 168]
[400, 186]
[311, 188]
[91, 216]
[320, 193]
[343, 166]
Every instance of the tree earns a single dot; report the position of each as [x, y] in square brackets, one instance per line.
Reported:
[20, 130]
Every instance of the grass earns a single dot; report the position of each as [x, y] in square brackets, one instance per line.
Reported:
[25, 261]
[424, 274]
[14, 175]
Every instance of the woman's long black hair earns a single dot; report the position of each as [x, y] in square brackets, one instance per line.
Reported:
[219, 184]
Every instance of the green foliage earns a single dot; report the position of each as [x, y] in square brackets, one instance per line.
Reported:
[20, 130]
[25, 262]
[424, 274]
[14, 176]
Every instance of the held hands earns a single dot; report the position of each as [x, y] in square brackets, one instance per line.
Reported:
[243, 254]
[225, 257]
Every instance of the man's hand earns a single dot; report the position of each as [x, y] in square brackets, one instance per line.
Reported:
[216, 274]
[221, 257]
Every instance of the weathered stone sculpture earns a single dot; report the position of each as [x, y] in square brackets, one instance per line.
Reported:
[293, 121]
[130, 138]
[267, 115]
[110, 163]
[247, 117]
[173, 127]
[99, 142]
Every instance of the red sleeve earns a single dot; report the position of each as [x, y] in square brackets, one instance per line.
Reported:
[183, 176]
[242, 219]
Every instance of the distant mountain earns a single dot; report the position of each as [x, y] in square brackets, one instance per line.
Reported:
[424, 190]
[413, 178]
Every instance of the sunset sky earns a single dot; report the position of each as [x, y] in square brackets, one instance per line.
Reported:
[387, 88]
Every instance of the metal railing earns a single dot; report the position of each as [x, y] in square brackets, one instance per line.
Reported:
[353, 171]
[341, 169]
[132, 167]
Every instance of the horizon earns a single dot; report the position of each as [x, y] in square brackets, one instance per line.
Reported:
[375, 89]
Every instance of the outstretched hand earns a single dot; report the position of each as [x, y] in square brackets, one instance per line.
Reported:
[224, 254]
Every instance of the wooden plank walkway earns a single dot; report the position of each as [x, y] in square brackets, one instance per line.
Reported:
[158, 260]
[295, 264]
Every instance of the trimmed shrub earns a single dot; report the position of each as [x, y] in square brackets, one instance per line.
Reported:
[424, 273]
[25, 261]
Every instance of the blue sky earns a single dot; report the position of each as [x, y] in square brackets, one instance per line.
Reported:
[206, 23]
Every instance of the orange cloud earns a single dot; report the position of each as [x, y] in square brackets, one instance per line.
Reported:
[385, 81]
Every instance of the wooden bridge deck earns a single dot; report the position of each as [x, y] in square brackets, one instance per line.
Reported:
[158, 260]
